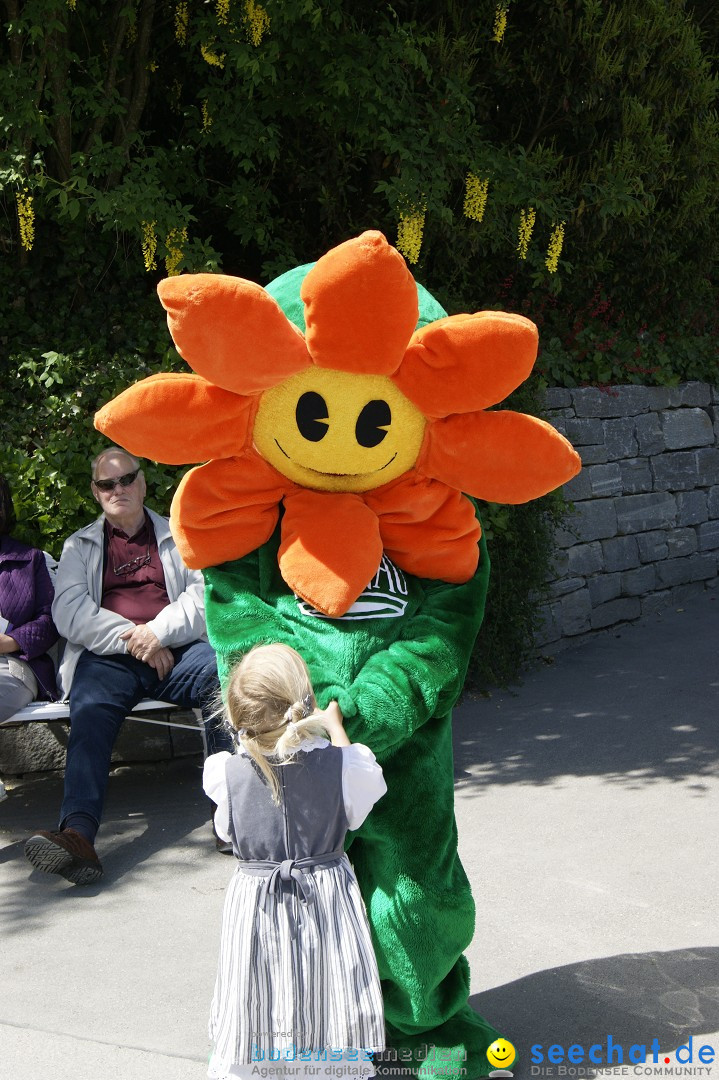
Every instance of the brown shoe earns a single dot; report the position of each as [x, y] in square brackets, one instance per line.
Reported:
[65, 852]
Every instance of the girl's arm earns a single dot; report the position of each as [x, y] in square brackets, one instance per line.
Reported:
[331, 720]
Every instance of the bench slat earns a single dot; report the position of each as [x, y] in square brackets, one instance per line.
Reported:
[47, 711]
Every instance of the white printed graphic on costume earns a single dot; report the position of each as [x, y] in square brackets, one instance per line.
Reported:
[384, 598]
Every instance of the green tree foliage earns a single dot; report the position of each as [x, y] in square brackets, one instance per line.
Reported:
[145, 137]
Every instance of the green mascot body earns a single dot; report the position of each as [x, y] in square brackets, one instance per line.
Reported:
[396, 664]
[345, 396]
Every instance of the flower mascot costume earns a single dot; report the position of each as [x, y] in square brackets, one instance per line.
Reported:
[341, 415]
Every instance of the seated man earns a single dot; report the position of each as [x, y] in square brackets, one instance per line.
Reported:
[133, 618]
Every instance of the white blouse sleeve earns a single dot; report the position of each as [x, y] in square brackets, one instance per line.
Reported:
[362, 782]
[215, 785]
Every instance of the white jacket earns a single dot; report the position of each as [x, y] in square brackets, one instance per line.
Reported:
[84, 624]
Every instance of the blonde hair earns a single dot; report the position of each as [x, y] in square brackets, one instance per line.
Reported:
[270, 704]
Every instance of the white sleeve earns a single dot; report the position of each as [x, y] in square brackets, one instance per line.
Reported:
[215, 785]
[362, 782]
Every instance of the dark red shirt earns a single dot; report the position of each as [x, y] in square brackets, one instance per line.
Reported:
[133, 581]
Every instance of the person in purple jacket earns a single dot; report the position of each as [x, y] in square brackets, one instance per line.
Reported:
[26, 628]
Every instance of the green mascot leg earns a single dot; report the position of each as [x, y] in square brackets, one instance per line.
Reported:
[421, 911]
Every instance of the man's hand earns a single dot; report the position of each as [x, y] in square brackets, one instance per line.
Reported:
[142, 643]
[163, 662]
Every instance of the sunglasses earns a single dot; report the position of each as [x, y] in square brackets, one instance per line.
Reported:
[124, 481]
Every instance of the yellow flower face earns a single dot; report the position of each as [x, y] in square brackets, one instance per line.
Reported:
[338, 431]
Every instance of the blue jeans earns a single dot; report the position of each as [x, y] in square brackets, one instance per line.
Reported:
[104, 690]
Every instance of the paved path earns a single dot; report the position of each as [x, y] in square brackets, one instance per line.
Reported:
[587, 803]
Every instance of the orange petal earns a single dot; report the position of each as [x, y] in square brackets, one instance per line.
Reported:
[360, 307]
[467, 362]
[231, 331]
[504, 456]
[177, 418]
[427, 528]
[330, 548]
[225, 509]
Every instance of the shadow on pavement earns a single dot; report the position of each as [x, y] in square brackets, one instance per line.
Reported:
[632, 707]
[149, 809]
[634, 998]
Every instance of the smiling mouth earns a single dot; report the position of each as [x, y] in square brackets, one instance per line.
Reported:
[319, 472]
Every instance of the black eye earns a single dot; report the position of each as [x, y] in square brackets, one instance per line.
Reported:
[375, 416]
[311, 416]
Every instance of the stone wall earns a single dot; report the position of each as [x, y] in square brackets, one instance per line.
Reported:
[644, 531]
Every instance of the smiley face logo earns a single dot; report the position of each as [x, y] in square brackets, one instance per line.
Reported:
[338, 431]
[501, 1054]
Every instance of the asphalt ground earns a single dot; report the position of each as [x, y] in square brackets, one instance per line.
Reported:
[588, 812]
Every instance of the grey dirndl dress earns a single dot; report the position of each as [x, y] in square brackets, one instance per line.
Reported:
[297, 972]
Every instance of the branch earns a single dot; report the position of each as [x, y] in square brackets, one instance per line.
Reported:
[121, 22]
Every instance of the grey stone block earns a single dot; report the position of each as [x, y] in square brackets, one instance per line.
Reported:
[615, 611]
[557, 397]
[586, 431]
[593, 455]
[676, 471]
[639, 582]
[594, 520]
[653, 546]
[575, 612]
[708, 536]
[690, 393]
[656, 601]
[619, 438]
[658, 397]
[681, 542]
[692, 507]
[33, 748]
[604, 587]
[550, 628]
[620, 553]
[614, 401]
[715, 394]
[649, 434]
[636, 476]
[579, 487]
[639, 513]
[585, 559]
[684, 428]
[604, 480]
[565, 585]
[713, 502]
[680, 571]
[708, 466]
[558, 565]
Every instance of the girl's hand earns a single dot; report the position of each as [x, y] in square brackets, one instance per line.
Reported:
[332, 720]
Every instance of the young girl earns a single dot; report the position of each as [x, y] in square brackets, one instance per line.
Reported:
[297, 984]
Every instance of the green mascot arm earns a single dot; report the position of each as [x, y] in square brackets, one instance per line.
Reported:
[421, 674]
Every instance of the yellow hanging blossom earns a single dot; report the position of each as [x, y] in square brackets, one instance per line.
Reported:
[475, 197]
[72, 4]
[176, 239]
[500, 23]
[131, 35]
[206, 117]
[410, 231]
[526, 227]
[149, 244]
[257, 22]
[26, 218]
[153, 66]
[212, 58]
[182, 21]
[222, 11]
[556, 242]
